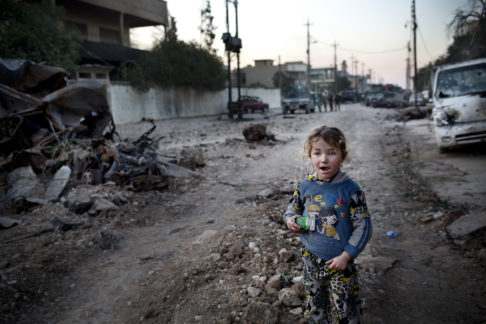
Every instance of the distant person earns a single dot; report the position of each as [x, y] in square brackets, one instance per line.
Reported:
[337, 102]
[330, 99]
[324, 101]
[340, 231]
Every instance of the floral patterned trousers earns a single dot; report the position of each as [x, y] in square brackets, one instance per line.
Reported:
[331, 296]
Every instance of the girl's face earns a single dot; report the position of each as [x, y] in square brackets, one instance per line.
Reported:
[326, 159]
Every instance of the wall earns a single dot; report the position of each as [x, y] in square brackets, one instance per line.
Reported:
[129, 105]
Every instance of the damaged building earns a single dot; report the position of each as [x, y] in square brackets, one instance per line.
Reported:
[105, 28]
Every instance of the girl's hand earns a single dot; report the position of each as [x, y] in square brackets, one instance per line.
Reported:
[292, 225]
[340, 262]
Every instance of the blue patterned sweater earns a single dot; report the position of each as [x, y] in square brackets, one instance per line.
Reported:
[341, 213]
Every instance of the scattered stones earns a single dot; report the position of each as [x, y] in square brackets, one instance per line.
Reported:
[101, 205]
[285, 255]
[253, 292]
[266, 193]
[275, 281]
[296, 311]
[289, 297]
[257, 133]
[191, 158]
[109, 241]
[258, 312]
[375, 265]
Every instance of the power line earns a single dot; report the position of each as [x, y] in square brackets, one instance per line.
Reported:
[364, 52]
[423, 42]
[373, 52]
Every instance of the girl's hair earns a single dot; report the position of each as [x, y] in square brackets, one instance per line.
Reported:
[331, 135]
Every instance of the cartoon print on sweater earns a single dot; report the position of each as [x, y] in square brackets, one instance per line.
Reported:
[329, 219]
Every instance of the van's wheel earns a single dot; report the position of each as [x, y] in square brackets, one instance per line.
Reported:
[443, 150]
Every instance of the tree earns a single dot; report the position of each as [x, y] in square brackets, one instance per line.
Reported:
[207, 28]
[283, 81]
[469, 40]
[36, 32]
[176, 63]
[469, 28]
[342, 83]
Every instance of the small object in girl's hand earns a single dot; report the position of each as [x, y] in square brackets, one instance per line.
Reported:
[392, 233]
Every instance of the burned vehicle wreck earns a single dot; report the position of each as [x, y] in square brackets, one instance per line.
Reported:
[56, 135]
[460, 104]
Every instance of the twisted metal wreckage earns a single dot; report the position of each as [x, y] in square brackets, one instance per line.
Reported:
[52, 133]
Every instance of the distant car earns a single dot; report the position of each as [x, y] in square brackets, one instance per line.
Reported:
[298, 97]
[420, 99]
[459, 98]
[371, 98]
[391, 99]
[347, 96]
[250, 104]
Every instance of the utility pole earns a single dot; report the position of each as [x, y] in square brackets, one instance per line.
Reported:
[354, 66]
[335, 68]
[280, 78]
[407, 74]
[308, 57]
[233, 44]
[362, 77]
[228, 51]
[238, 81]
[414, 26]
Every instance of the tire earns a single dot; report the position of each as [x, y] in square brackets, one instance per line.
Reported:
[443, 150]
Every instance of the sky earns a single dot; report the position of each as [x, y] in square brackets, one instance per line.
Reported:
[374, 33]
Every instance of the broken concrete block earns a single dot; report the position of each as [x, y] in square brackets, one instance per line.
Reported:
[56, 186]
[78, 200]
[101, 204]
[22, 181]
[467, 224]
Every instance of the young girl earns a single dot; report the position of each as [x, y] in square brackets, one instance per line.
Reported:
[339, 232]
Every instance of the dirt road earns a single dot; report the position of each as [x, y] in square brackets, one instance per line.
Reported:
[204, 251]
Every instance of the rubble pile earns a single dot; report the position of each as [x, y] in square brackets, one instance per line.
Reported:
[258, 133]
[55, 135]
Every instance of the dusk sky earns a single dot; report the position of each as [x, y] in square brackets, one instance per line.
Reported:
[373, 32]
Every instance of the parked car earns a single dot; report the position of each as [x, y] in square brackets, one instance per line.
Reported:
[420, 99]
[250, 104]
[371, 98]
[459, 97]
[390, 99]
[253, 103]
[347, 96]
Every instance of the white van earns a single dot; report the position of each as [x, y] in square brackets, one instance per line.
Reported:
[459, 97]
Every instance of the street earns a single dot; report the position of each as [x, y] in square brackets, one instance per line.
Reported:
[205, 250]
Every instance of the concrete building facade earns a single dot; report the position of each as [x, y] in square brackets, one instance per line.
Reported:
[263, 72]
[105, 27]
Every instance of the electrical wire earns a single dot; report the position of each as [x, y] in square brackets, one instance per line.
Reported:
[364, 52]
[425, 46]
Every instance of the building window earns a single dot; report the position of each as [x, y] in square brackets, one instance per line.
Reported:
[81, 28]
[110, 36]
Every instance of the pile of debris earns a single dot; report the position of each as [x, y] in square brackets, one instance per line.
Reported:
[55, 134]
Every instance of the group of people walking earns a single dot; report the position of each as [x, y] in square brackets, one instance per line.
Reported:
[333, 100]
